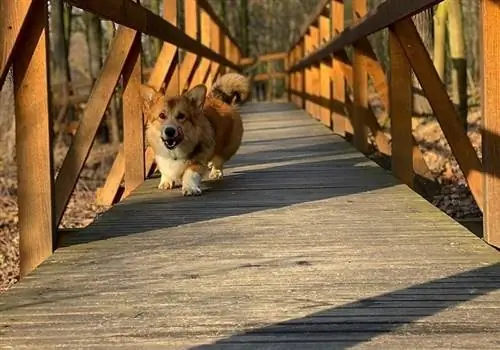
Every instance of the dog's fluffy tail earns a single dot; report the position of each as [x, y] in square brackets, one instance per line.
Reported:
[231, 88]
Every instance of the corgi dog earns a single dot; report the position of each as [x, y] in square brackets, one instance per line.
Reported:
[195, 133]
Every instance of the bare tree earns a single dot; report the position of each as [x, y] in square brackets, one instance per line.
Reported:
[458, 58]
[424, 23]
[59, 68]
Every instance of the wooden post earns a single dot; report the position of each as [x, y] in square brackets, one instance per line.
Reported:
[188, 64]
[172, 83]
[225, 51]
[308, 73]
[269, 81]
[490, 92]
[202, 71]
[339, 119]
[229, 51]
[165, 71]
[302, 75]
[295, 76]
[400, 110]
[10, 28]
[33, 138]
[288, 79]
[445, 113]
[325, 73]
[215, 44]
[315, 79]
[133, 121]
[360, 86]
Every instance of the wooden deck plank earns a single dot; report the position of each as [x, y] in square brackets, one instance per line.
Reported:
[306, 244]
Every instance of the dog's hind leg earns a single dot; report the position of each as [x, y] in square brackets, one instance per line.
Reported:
[216, 165]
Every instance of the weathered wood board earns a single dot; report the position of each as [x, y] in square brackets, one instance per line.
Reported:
[306, 244]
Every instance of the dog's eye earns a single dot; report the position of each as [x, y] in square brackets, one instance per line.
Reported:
[162, 116]
[181, 116]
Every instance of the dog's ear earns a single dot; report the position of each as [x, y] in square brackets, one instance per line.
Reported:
[149, 96]
[197, 95]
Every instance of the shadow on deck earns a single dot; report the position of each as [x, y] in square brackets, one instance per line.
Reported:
[397, 320]
[304, 244]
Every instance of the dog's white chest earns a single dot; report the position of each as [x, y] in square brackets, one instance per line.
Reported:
[173, 168]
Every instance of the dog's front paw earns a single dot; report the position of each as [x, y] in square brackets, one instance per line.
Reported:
[166, 185]
[191, 183]
[215, 174]
[191, 190]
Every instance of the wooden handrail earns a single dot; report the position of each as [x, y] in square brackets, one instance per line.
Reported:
[387, 13]
[13, 26]
[328, 63]
[135, 16]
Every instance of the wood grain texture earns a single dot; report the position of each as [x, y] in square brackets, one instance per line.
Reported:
[14, 15]
[190, 63]
[377, 74]
[305, 244]
[359, 86]
[490, 92]
[107, 194]
[385, 14]
[215, 45]
[133, 120]
[202, 72]
[165, 63]
[401, 112]
[345, 71]
[308, 73]
[33, 137]
[445, 112]
[315, 71]
[325, 72]
[92, 116]
[339, 118]
[168, 52]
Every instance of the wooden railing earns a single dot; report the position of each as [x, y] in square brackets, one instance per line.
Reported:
[43, 197]
[264, 73]
[320, 69]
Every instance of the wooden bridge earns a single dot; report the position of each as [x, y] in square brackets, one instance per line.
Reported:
[306, 243]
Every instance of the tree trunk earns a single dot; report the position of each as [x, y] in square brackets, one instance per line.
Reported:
[112, 117]
[68, 21]
[440, 19]
[157, 43]
[458, 59]
[223, 12]
[424, 23]
[60, 66]
[94, 42]
[244, 20]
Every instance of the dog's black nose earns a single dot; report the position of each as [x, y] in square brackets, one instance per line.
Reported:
[170, 132]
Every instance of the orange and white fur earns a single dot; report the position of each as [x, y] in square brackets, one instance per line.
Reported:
[194, 134]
